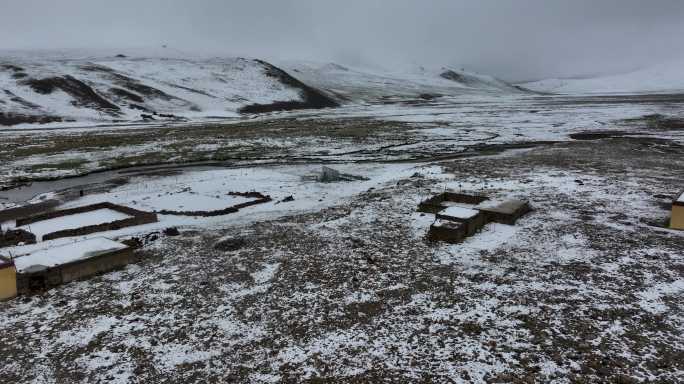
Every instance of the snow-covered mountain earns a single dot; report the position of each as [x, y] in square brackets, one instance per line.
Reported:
[93, 87]
[36, 89]
[667, 77]
[370, 84]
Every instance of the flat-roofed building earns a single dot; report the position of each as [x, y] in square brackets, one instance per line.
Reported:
[40, 269]
[473, 219]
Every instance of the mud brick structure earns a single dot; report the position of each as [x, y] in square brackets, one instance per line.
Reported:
[677, 219]
[37, 278]
[28, 210]
[137, 218]
[459, 215]
[504, 212]
[8, 279]
[447, 231]
[472, 220]
[441, 201]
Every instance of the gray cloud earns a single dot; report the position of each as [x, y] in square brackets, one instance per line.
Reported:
[513, 39]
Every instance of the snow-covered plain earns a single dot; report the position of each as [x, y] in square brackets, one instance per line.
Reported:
[665, 77]
[376, 132]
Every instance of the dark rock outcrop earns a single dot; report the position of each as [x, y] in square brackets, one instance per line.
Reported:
[312, 98]
[83, 95]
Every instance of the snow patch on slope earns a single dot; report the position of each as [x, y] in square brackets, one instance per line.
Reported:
[370, 84]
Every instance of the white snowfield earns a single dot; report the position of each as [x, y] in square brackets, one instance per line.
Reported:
[58, 255]
[209, 192]
[100, 216]
[459, 212]
[666, 77]
[208, 200]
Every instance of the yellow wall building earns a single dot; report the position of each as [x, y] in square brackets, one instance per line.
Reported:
[8, 280]
[677, 220]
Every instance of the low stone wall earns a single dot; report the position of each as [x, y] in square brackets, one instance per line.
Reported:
[138, 218]
[86, 208]
[436, 203]
[37, 281]
[97, 265]
[260, 199]
[28, 210]
[31, 282]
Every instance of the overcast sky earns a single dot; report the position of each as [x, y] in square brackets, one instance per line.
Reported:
[512, 39]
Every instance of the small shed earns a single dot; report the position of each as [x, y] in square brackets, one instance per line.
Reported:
[448, 231]
[459, 215]
[677, 220]
[8, 279]
[472, 219]
[504, 211]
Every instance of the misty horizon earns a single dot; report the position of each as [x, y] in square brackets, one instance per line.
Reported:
[516, 41]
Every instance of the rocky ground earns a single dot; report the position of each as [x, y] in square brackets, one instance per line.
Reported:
[586, 288]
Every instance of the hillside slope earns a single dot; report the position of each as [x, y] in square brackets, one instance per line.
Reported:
[364, 84]
[667, 77]
[119, 88]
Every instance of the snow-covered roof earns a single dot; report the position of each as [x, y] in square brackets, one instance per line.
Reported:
[439, 223]
[59, 255]
[459, 212]
[680, 199]
[502, 206]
